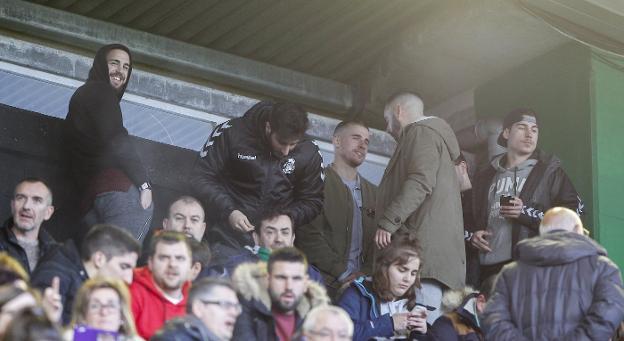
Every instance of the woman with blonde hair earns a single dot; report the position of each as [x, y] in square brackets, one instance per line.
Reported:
[102, 307]
[11, 270]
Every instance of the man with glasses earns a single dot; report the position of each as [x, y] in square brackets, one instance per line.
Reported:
[327, 323]
[212, 309]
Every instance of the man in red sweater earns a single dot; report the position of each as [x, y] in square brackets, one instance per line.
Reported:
[159, 291]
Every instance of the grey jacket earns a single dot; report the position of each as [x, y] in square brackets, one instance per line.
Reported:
[562, 287]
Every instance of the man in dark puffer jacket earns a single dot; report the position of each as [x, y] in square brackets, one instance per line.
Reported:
[562, 287]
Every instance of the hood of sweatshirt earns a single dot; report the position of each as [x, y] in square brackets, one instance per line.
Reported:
[556, 248]
[444, 130]
[99, 69]
[499, 161]
[143, 277]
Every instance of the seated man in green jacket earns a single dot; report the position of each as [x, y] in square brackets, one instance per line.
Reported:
[341, 245]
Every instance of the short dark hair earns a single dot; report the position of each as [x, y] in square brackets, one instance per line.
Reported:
[200, 252]
[169, 237]
[287, 254]
[270, 214]
[110, 240]
[203, 287]
[288, 120]
[343, 124]
[34, 179]
[403, 247]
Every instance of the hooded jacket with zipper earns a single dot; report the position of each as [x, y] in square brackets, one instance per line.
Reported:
[237, 170]
[363, 306]
[66, 264]
[420, 193]
[9, 244]
[326, 241]
[562, 287]
[547, 186]
[149, 306]
[94, 136]
[256, 321]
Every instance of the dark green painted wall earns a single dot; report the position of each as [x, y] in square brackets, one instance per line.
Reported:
[556, 85]
[607, 79]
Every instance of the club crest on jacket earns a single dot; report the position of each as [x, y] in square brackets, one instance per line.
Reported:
[289, 166]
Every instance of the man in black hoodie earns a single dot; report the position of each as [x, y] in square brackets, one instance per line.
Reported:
[108, 171]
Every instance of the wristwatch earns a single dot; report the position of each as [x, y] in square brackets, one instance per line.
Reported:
[144, 186]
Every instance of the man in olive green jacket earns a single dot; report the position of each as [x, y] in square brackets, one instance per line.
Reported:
[339, 242]
[419, 194]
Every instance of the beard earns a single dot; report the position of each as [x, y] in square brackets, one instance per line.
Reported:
[395, 129]
[283, 307]
[122, 80]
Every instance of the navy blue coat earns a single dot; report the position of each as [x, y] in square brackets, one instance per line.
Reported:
[363, 307]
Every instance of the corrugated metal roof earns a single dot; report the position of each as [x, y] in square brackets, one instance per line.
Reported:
[333, 39]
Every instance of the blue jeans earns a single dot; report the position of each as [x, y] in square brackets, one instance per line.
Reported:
[430, 294]
[122, 209]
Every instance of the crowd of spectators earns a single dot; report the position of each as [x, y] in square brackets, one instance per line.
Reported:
[270, 244]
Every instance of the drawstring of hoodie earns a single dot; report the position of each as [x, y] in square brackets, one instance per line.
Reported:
[515, 185]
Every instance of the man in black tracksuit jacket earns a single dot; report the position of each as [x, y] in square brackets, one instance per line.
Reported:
[254, 162]
[536, 182]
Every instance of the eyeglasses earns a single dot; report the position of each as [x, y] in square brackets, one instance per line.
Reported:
[329, 334]
[97, 306]
[224, 304]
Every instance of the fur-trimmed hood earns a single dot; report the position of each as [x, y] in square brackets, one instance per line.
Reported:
[251, 282]
[453, 299]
